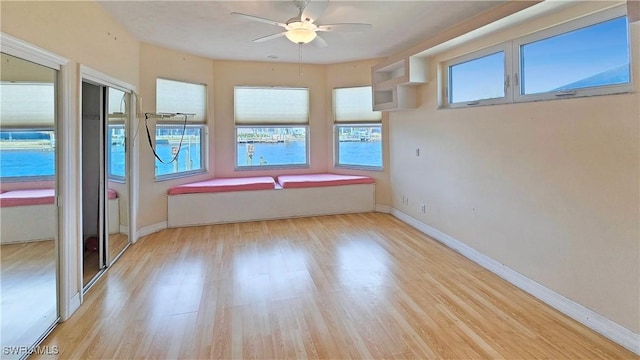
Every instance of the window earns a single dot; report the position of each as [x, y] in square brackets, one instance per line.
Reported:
[587, 60]
[27, 120]
[587, 56]
[480, 78]
[358, 129]
[117, 116]
[271, 127]
[170, 139]
[180, 142]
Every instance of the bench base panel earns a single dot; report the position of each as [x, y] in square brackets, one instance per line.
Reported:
[226, 207]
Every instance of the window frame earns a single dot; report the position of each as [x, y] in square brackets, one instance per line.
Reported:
[204, 135]
[336, 147]
[505, 48]
[179, 122]
[513, 65]
[111, 176]
[273, 124]
[572, 25]
[275, 166]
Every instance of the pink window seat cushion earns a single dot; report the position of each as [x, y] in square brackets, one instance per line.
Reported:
[27, 197]
[224, 185]
[317, 180]
[35, 197]
[112, 194]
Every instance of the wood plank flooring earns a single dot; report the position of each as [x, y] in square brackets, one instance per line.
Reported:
[347, 286]
[28, 291]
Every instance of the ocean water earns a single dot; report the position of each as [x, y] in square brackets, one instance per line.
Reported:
[29, 162]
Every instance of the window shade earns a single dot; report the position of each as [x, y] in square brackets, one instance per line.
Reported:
[354, 104]
[271, 106]
[181, 97]
[117, 105]
[27, 105]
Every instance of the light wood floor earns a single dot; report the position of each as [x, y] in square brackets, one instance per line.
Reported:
[348, 286]
[91, 259]
[28, 291]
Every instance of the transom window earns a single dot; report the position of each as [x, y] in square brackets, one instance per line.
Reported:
[272, 127]
[358, 129]
[180, 140]
[584, 57]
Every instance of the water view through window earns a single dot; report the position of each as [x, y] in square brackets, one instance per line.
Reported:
[168, 143]
[271, 146]
[27, 153]
[360, 146]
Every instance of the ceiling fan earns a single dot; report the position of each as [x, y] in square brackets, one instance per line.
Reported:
[302, 29]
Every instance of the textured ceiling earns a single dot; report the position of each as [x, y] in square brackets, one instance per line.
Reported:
[206, 28]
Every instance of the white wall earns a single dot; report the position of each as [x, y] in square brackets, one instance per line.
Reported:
[549, 189]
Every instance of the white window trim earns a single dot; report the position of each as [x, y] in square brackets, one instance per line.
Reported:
[336, 147]
[569, 26]
[513, 61]
[270, 167]
[506, 49]
[204, 151]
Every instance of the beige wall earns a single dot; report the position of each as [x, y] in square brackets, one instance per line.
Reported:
[221, 76]
[85, 34]
[550, 189]
[357, 73]
[160, 62]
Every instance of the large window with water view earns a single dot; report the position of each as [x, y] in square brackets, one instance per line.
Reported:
[27, 120]
[271, 127]
[180, 134]
[358, 129]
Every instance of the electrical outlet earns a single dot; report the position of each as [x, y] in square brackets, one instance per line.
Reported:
[423, 207]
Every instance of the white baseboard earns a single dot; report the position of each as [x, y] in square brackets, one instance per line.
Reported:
[147, 230]
[383, 209]
[124, 229]
[598, 323]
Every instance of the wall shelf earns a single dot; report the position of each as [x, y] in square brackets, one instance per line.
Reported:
[394, 83]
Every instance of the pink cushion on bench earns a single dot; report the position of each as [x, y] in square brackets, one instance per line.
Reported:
[27, 197]
[225, 184]
[316, 180]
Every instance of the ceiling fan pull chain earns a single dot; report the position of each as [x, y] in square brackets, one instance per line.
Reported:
[300, 59]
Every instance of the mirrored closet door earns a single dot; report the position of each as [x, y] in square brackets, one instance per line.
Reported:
[105, 198]
[28, 213]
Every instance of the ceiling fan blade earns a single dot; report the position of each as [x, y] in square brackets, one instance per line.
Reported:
[269, 37]
[319, 42]
[354, 27]
[259, 19]
[313, 9]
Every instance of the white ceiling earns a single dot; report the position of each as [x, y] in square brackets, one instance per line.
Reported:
[206, 28]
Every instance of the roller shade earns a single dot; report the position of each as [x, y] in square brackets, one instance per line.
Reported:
[181, 97]
[354, 104]
[27, 105]
[118, 106]
[271, 106]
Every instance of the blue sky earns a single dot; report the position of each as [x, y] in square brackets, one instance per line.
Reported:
[547, 64]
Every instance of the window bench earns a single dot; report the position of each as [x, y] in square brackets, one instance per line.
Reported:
[262, 198]
[30, 215]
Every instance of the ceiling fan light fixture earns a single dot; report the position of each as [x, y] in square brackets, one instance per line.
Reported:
[301, 32]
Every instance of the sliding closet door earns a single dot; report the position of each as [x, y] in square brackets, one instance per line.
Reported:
[117, 170]
[93, 180]
[28, 213]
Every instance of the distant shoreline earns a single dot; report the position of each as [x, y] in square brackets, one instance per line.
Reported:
[43, 145]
